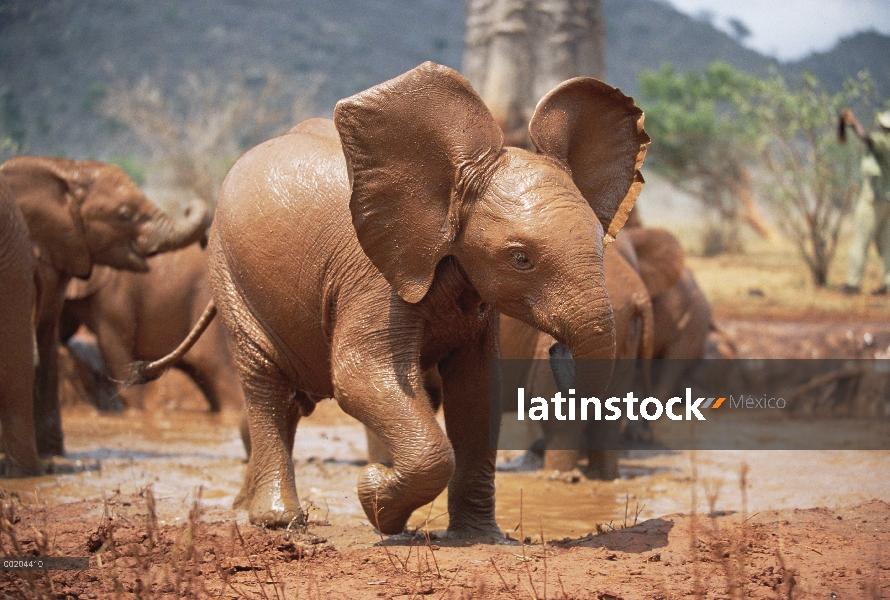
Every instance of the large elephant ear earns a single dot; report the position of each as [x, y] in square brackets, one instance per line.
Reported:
[50, 192]
[415, 148]
[660, 257]
[598, 132]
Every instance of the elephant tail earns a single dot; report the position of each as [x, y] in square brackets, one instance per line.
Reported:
[143, 372]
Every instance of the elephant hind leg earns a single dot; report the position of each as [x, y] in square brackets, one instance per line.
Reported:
[209, 365]
[47, 417]
[269, 492]
[16, 412]
[17, 365]
[204, 383]
[272, 407]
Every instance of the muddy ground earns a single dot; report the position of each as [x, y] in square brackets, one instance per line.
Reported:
[152, 511]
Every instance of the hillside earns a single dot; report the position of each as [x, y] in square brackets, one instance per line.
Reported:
[645, 33]
[865, 50]
[59, 58]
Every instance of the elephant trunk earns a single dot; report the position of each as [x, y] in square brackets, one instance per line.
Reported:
[588, 334]
[163, 234]
[593, 341]
[595, 338]
[585, 324]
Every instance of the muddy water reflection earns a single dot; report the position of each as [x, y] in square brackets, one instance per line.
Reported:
[559, 509]
[178, 452]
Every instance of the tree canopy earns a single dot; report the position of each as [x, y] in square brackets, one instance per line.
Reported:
[712, 129]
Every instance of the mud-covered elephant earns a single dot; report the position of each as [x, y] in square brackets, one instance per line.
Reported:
[684, 324]
[144, 316]
[83, 376]
[633, 316]
[683, 317]
[80, 214]
[18, 293]
[350, 257]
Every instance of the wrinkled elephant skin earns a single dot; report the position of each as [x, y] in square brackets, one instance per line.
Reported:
[349, 258]
[17, 348]
[633, 315]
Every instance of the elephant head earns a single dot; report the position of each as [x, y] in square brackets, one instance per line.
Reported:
[81, 213]
[431, 178]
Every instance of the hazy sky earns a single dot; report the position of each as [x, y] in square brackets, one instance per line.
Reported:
[791, 29]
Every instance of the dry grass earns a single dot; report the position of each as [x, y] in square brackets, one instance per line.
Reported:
[195, 132]
[769, 280]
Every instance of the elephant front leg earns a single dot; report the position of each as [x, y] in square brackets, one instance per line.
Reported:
[398, 413]
[471, 502]
[47, 416]
[16, 399]
[377, 450]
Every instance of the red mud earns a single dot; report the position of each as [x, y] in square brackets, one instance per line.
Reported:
[814, 553]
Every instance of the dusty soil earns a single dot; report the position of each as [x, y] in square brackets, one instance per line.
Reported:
[152, 509]
[794, 553]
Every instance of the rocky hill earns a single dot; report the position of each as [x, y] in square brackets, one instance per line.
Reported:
[59, 59]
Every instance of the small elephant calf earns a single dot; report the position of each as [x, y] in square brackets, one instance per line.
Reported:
[350, 257]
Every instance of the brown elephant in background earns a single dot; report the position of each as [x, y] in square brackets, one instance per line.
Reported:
[18, 294]
[80, 214]
[684, 323]
[634, 325]
[144, 316]
[83, 376]
[348, 265]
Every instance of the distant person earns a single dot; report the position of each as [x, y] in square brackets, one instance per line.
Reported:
[871, 217]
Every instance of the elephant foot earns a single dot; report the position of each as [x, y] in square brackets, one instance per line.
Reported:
[66, 466]
[526, 463]
[602, 465]
[12, 468]
[487, 533]
[560, 460]
[275, 512]
[279, 519]
[381, 507]
[270, 506]
[50, 444]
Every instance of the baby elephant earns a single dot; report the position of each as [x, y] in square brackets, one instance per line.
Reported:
[348, 258]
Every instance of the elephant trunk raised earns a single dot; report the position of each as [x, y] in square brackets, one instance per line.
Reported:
[163, 233]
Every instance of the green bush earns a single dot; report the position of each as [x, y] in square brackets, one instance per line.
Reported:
[133, 165]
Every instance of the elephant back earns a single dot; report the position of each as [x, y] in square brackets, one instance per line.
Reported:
[660, 257]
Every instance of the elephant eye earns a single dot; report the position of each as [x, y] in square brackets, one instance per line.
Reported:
[520, 261]
[126, 213]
